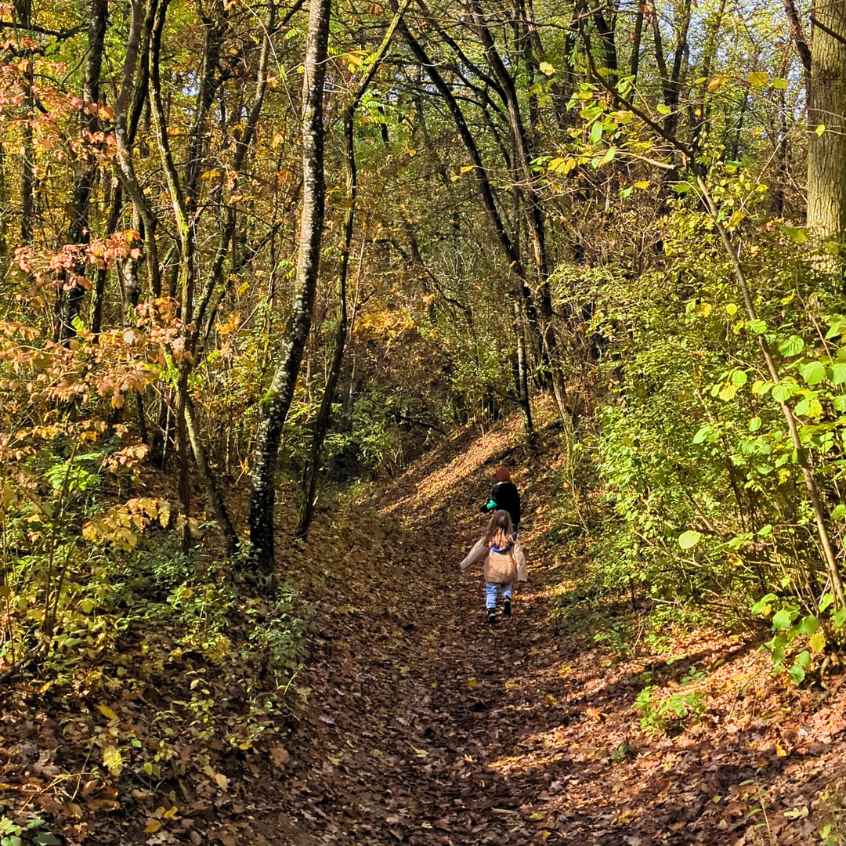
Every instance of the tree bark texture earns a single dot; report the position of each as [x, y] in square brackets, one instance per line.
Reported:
[827, 108]
[278, 397]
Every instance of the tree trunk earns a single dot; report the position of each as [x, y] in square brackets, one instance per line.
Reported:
[133, 43]
[797, 33]
[605, 27]
[209, 481]
[185, 267]
[126, 124]
[522, 374]
[321, 424]
[522, 158]
[637, 38]
[277, 399]
[827, 108]
[4, 214]
[23, 16]
[70, 301]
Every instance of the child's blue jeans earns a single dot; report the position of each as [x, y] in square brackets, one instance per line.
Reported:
[492, 591]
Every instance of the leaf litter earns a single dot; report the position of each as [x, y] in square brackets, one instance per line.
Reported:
[415, 723]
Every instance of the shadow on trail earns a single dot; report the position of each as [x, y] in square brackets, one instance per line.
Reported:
[426, 727]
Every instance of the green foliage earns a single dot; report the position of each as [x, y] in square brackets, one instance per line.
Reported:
[701, 480]
[280, 637]
[661, 712]
[34, 833]
[797, 636]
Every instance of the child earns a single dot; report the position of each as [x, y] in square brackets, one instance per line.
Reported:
[504, 496]
[504, 562]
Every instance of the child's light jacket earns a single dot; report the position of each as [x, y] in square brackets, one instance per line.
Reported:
[479, 555]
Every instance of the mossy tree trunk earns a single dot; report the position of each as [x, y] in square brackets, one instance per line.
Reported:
[277, 399]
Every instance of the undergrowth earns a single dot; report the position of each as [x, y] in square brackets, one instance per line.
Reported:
[171, 672]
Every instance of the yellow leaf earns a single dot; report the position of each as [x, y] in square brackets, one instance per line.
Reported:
[758, 79]
[547, 69]
[472, 683]
[715, 84]
[164, 513]
[113, 760]
[107, 712]
[221, 780]
[152, 826]
[820, 130]
[816, 642]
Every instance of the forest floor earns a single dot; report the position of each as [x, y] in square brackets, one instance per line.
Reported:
[426, 726]
[411, 721]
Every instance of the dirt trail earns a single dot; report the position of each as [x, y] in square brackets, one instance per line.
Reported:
[425, 726]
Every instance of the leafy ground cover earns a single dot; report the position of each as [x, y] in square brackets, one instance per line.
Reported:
[433, 729]
[410, 721]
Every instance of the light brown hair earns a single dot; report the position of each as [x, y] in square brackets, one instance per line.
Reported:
[499, 529]
[501, 474]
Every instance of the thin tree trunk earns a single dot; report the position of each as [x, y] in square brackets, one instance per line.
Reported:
[532, 204]
[634, 64]
[797, 33]
[4, 214]
[185, 267]
[277, 399]
[209, 481]
[605, 29]
[699, 120]
[70, 301]
[522, 374]
[321, 424]
[125, 128]
[23, 16]
[564, 90]
[214, 25]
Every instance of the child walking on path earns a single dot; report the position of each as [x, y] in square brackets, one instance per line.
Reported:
[504, 562]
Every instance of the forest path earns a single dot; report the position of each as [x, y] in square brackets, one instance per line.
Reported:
[426, 726]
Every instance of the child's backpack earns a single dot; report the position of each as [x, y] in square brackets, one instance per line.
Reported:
[501, 567]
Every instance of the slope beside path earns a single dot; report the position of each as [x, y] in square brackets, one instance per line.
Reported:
[422, 725]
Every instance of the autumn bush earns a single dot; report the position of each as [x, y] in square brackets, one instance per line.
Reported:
[705, 497]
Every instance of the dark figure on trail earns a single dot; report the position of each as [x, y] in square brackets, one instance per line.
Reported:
[504, 496]
[504, 562]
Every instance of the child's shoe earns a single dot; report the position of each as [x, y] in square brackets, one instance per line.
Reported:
[506, 607]
[491, 616]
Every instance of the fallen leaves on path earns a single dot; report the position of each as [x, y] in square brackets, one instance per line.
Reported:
[416, 723]
[445, 731]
